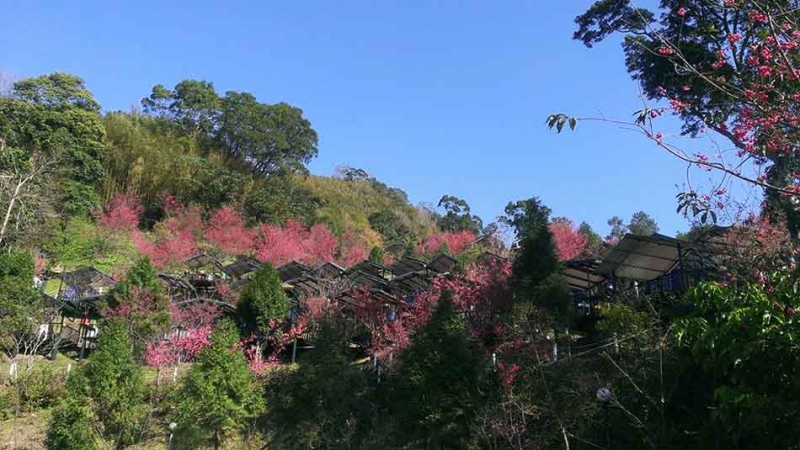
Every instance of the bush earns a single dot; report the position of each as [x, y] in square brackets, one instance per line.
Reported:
[42, 387]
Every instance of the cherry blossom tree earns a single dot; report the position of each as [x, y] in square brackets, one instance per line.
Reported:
[122, 212]
[226, 230]
[736, 86]
[456, 242]
[569, 242]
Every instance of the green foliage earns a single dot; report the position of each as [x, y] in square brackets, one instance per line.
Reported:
[536, 260]
[278, 199]
[57, 116]
[346, 205]
[442, 381]
[219, 395]
[642, 224]
[741, 345]
[114, 381]
[325, 403]
[41, 387]
[78, 242]
[263, 300]
[376, 254]
[19, 301]
[391, 226]
[72, 427]
[146, 307]
[458, 216]
[594, 243]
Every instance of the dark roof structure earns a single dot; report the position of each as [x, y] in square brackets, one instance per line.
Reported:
[582, 274]
[292, 270]
[241, 267]
[78, 290]
[642, 258]
[201, 260]
[442, 263]
[408, 264]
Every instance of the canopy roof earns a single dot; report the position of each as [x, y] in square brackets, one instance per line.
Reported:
[407, 264]
[644, 258]
[442, 263]
[329, 270]
[82, 283]
[582, 273]
[241, 267]
[201, 260]
[292, 270]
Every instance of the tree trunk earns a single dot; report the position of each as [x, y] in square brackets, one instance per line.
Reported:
[11, 202]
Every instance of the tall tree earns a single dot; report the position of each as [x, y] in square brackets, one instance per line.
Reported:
[115, 384]
[326, 402]
[53, 118]
[458, 216]
[442, 381]
[272, 138]
[219, 395]
[594, 242]
[642, 224]
[263, 300]
[618, 229]
[536, 258]
[727, 67]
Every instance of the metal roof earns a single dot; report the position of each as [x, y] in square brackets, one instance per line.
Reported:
[292, 270]
[407, 264]
[442, 263]
[241, 267]
[372, 268]
[643, 258]
[582, 274]
[201, 260]
[328, 270]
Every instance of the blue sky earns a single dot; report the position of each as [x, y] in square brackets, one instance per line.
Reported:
[432, 97]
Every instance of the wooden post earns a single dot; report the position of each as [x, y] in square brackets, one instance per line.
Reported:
[294, 350]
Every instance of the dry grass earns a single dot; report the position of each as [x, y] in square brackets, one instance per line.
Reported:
[24, 433]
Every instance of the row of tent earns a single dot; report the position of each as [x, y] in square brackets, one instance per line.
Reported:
[77, 292]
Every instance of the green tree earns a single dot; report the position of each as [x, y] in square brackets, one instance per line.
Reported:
[19, 302]
[618, 229]
[280, 198]
[143, 303]
[263, 300]
[458, 216]
[219, 395]
[193, 105]
[442, 381]
[686, 73]
[52, 125]
[391, 226]
[536, 256]
[115, 384]
[72, 425]
[594, 242]
[325, 403]
[642, 224]
[272, 138]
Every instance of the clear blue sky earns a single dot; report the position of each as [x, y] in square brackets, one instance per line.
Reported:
[433, 97]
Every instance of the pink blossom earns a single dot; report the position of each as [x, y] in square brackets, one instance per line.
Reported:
[122, 212]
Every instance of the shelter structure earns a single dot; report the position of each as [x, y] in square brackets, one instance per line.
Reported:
[77, 294]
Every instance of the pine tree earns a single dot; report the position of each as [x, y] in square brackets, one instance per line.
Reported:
[443, 379]
[324, 403]
[263, 299]
[536, 258]
[219, 395]
[115, 383]
[72, 426]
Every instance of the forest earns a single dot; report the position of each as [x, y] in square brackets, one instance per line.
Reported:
[174, 277]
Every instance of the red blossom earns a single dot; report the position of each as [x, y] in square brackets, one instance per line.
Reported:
[122, 212]
[569, 242]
